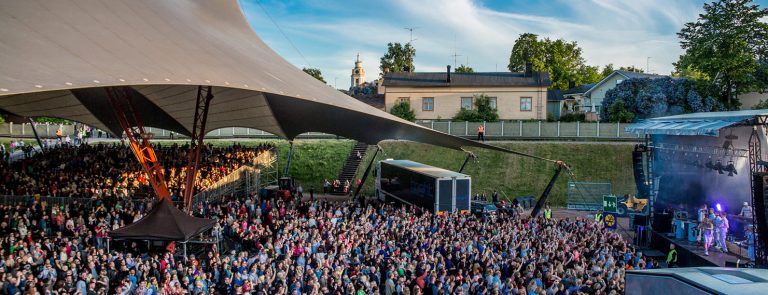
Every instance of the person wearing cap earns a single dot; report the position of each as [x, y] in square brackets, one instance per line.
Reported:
[746, 210]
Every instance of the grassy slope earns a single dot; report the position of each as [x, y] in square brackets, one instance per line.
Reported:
[515, 175]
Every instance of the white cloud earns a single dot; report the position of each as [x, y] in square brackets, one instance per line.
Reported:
[622, 32]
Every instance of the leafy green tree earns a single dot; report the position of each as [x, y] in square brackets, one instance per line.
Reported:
[464, 69]
[560, 58]
[527, 49]
[631, 69]
[727, 43]
[482, 112]
[314, 73]
[404, 111]
[589, 74]
[2, 119]
[618, 113]
[399, 58]
[763, 104]
[607, 70]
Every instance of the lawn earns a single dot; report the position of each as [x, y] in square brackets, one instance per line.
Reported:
[517, 176]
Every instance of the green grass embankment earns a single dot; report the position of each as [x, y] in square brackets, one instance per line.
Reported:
[518, 176]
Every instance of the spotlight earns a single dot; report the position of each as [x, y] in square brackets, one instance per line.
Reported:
[719, 208]
[719, 167]
[731, 169]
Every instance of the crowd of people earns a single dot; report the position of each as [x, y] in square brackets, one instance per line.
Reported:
[313, 247]
[98, 170]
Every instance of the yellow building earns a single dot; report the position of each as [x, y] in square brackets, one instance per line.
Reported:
[439, 96]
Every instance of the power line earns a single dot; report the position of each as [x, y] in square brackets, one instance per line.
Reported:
[283, 33]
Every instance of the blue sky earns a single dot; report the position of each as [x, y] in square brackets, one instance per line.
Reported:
[330, 33]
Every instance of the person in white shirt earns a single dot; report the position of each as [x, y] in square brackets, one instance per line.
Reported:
[746, 211]
[722, 232]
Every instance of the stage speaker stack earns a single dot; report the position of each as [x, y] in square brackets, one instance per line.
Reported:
[760, 205]
[639, 171]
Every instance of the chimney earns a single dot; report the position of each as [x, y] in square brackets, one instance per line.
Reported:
[448, 72]
[528, 69]
[571, 84]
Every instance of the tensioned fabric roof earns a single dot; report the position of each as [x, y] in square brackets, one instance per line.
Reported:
[707, 124]
[56, 57]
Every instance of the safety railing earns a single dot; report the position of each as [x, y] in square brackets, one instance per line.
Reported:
[501, 129]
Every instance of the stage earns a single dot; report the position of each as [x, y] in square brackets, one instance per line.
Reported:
[691, 254]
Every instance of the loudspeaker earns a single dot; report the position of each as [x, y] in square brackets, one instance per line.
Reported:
[639, 171]
[760, 205]
[662, 222]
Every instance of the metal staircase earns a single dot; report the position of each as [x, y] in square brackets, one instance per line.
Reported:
[349, 169]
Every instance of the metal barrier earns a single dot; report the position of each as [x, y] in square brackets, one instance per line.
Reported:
[501, 129]
[587, 195]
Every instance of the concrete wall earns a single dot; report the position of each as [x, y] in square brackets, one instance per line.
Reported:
[448, 100]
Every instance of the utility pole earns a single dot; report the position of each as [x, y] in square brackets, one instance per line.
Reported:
[410, 29]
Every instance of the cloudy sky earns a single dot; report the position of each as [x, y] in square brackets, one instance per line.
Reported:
[330, 33]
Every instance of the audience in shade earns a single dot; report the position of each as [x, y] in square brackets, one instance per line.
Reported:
[95, 171]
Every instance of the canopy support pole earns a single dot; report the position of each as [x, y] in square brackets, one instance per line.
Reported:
[130, 120]
[470, 155]
[37, 136]
[545, 193]
[204, 96]
[288, 160]
[367, 171]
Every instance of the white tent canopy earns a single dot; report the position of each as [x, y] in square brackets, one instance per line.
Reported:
[56, 57]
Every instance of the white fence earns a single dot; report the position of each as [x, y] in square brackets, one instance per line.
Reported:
[501, 129]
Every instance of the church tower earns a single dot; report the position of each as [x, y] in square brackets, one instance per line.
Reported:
[358, 73]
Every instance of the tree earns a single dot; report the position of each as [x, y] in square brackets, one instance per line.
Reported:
[314, 73]
[763, 104]
[399, 58]
[618, 113]
[464, 69]
[560, 58]
[527, 49]
[607, 70]
[482, 112]
[727, 43]
[403, 110]
[631, 69]
[2, 118]
[589, 74]
[646, 98]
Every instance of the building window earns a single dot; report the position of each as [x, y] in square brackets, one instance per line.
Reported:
[466, 103]
[428, 104]
[619, 81]
[402, 100]
[526, 104]
[492, 102]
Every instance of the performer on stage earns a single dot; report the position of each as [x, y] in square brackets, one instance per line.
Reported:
[716, 221]
[722, 232]
[706, 227]
[702, 213]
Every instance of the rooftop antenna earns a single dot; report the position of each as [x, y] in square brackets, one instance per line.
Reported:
[647, 65]
[454, 51]
[410, 29]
